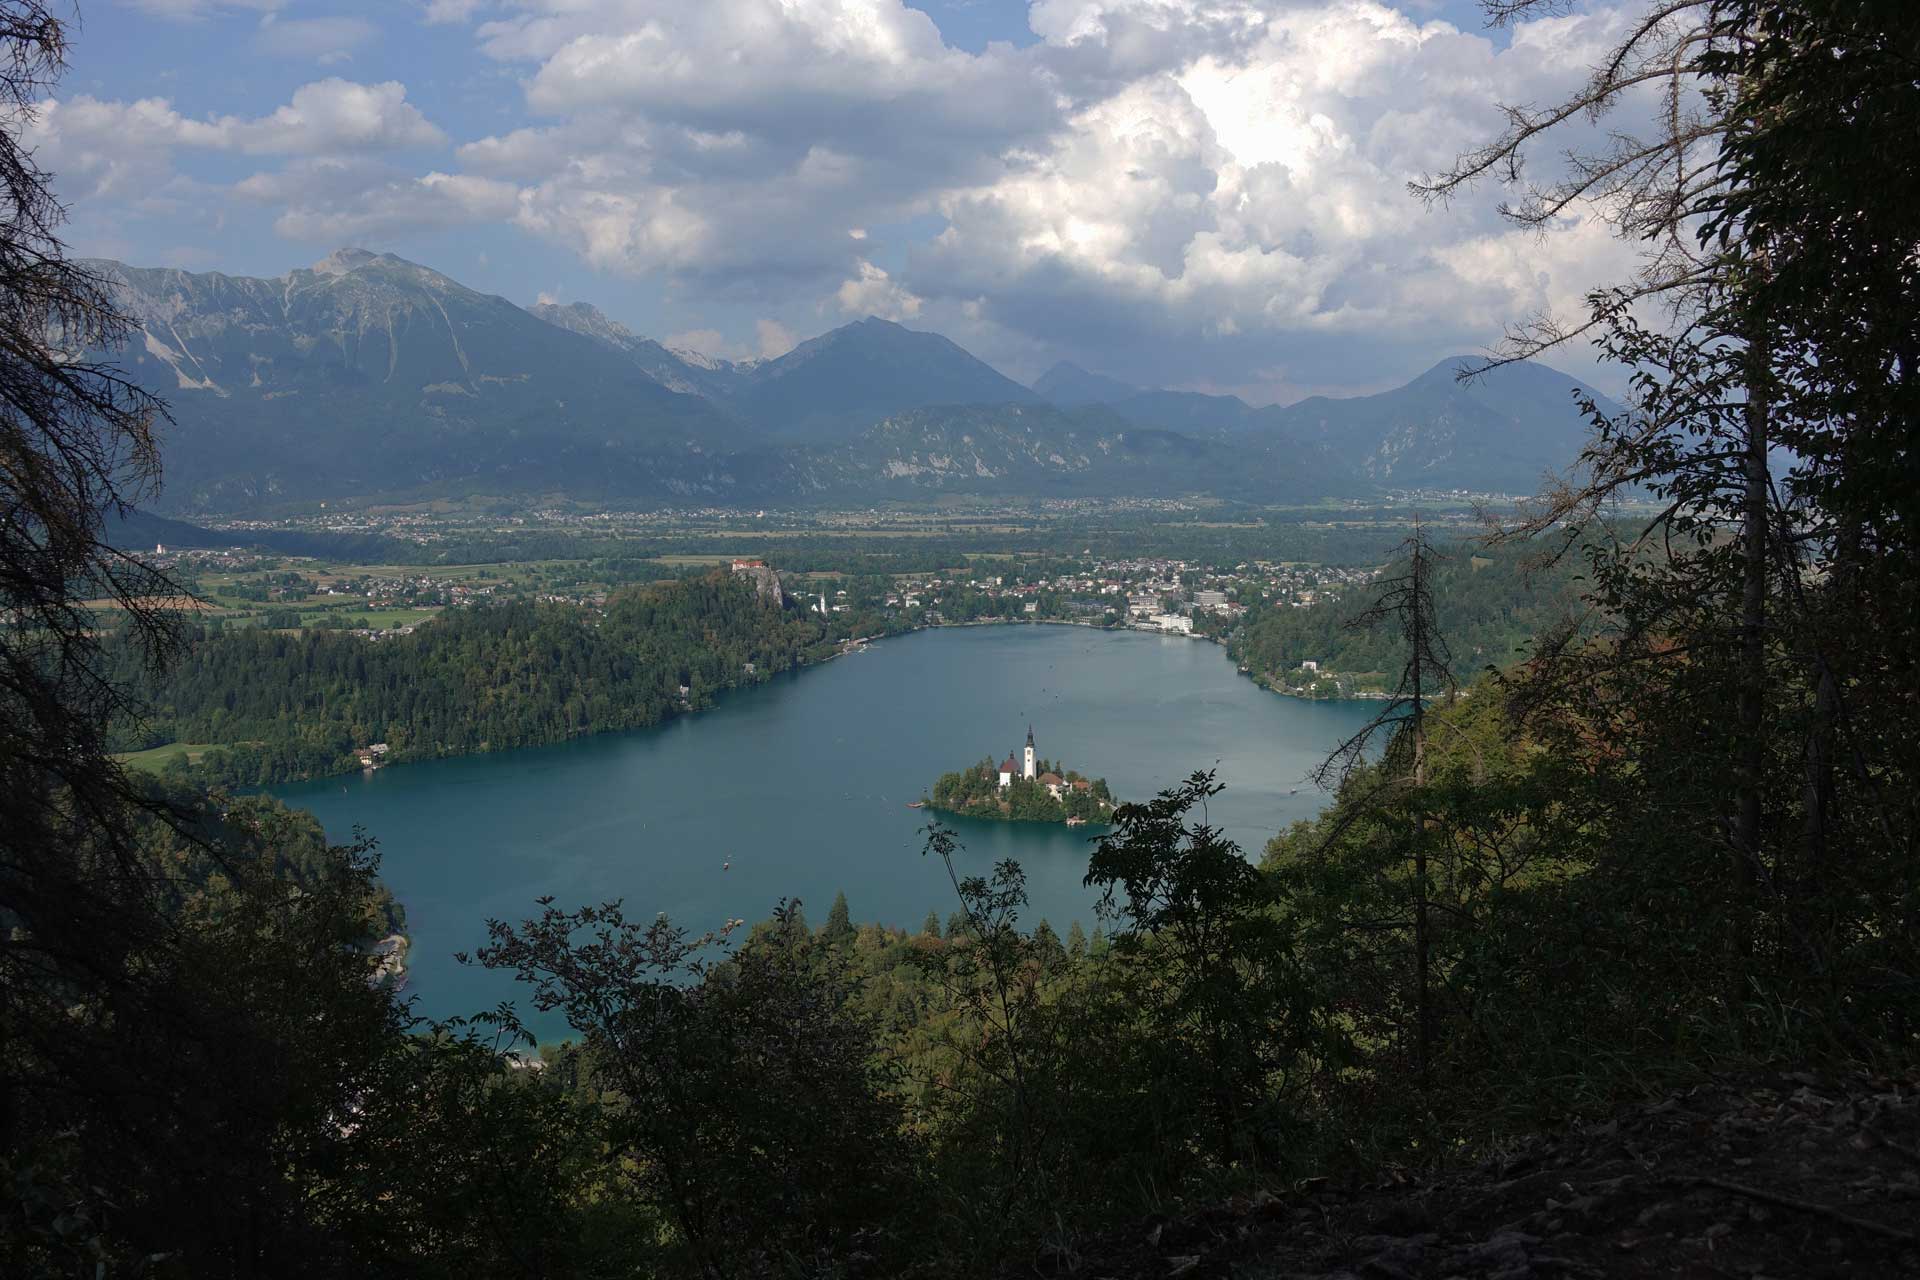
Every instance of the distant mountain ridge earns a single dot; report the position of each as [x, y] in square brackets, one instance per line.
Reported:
[683, 371]
[1068, 385]
[826, 388]
[367, 375]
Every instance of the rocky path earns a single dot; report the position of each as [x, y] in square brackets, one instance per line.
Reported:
[1798, 1175]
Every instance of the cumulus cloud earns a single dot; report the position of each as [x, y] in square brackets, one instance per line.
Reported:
[874, 293]
[1206, 177]
[686, 133]
[1241, 193]
[110, 146]
[338, 201]
[1202, 192]
[331, 116]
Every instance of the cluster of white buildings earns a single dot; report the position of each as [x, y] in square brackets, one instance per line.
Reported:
[1024, 768]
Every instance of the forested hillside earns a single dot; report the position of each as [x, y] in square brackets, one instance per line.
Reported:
[1490, 603]
[278, 705]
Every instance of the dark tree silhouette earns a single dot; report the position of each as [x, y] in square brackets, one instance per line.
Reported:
[77, 444]
[1407, 602]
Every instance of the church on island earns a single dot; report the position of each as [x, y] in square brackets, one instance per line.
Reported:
[1023, 788]
[1053, 782]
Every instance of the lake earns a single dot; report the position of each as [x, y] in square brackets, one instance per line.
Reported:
[802, 785]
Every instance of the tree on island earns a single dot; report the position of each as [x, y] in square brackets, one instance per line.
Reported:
[976, 792]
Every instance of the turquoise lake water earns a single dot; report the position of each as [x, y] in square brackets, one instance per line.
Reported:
[802, 785]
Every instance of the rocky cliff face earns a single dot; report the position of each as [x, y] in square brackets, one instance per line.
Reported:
[687, 372]
[766, 583]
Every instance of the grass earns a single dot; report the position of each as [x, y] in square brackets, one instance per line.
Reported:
[154, 759]
[346, 616]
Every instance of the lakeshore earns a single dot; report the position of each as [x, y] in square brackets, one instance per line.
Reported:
[798, 788]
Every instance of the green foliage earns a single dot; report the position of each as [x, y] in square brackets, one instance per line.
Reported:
[743, 1099]
[1043, 1093]
[482, 679]
[1209, 961]
[976, 793]
[1506, 830]
[1490, 603]
[839, 926]
[462, 1160]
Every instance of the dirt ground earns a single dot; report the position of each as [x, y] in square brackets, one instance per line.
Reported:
[1794, 1175]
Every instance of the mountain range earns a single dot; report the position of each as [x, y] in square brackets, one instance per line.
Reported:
[367, 375]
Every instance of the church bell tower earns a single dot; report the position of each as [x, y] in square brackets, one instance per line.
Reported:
[1028, 772]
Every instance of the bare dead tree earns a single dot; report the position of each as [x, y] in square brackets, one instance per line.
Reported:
[1698, 433]
[1652, 188]
[1406, 601]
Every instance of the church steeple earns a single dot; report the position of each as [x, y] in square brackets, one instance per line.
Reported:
[1028, 770]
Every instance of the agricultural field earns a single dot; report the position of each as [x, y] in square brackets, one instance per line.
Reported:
[288, 593]
[156, 759]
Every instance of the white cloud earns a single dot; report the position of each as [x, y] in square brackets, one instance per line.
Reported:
[775, 339]
[112, 144]
[1240, 182]
[324, 40]
[103, 153]
[1197, 177]
[341, 201]
[685, 133]
[1208, 192]
[873, 293]
[452, 10]
[332, 116]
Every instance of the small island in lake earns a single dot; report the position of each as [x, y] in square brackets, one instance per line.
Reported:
[1025, 790]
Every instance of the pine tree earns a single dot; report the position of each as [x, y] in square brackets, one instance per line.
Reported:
[839, 926]
[1047, 944]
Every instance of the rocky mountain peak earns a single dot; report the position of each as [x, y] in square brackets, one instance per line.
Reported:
[588, 320]
[341, 261]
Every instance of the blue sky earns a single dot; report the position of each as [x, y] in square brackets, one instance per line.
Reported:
[1199, 193]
